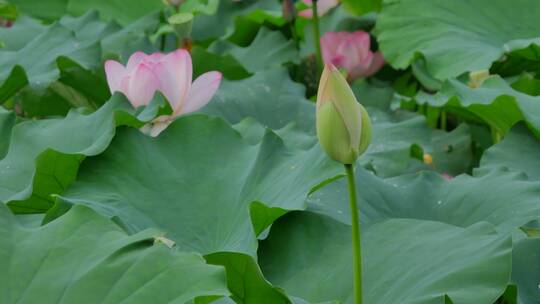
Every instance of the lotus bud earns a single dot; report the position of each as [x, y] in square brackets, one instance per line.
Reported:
[477, 78]
[343, 125]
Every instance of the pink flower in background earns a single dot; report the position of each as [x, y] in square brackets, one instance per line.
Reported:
[447, 176]
[323, 6]
[171, 74]
[351, 51]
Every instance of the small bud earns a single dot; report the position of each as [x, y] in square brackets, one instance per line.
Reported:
[428, 159]
[288, 9]
[476, 78]
[343, 125]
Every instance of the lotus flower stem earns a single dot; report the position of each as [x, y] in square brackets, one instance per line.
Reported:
[317, 36]
[443, 120]
[356, 244]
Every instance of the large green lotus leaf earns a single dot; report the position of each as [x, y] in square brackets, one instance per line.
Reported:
[399, 134]
[123, 11]
[505, 199]
[220, 24]
[54, 51]
[375, 96]
[203, 184]
[44, 9]
[22, 31]
[83, 257]
[245, 280]
[395, 136]
[495, 103]
[80, 87]
[38, 59]
[456, 36]
[30, 220]
[76, 87]
[268, 49]
[43, 155]
[271, 98]
[361, 7]
[526, 270]
[404, 260]
[114, 39]
[197, 181]
[54, 101]
[518, 151]
[205, 61]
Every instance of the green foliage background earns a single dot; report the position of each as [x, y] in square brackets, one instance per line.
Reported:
[90, 207]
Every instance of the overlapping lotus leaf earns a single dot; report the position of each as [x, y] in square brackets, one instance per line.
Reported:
[41, 157]
[503, 198]
[405, 260]
[517, 151]
[84, 257]
[83, 41]
[457, 36]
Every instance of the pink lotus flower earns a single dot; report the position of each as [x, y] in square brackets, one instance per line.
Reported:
[323, 6]
[351, 52]
[171, 74]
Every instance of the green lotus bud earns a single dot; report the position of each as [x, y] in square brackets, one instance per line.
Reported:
[343, 125]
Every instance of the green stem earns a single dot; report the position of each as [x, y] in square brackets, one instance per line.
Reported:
[443, 120]
[317, 34]
[421, 109]
[162, 43]
[356, 244]
[495, 135]
[293, 33]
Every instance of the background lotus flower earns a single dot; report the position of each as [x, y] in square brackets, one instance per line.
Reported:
[351, 51]
[323, 7]
[171, 74]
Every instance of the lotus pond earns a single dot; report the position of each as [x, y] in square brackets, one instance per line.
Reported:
[270, 151]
